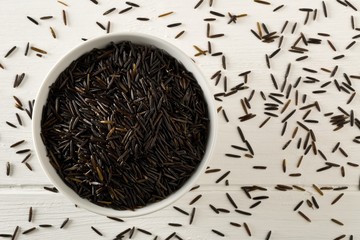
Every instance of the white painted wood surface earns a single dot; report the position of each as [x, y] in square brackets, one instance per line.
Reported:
[243, 52]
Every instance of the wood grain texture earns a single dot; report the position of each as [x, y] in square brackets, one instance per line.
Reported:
[23, 188]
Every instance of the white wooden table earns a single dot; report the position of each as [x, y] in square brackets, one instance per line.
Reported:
[24, 188]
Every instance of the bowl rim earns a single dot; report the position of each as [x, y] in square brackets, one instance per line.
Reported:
[100, 42]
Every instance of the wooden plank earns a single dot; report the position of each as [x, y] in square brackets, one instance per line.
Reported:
[275, 214]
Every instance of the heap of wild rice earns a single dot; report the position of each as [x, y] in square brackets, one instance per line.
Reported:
[125, 126]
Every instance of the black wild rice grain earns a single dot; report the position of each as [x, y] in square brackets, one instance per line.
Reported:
[179, 34]
[223, 61]
[337, 222]
[247, 229]
[144, 231]
[217, 35]
[17, 144]
[267, 61]
[209, 19]
[243, 212]
[123, 233]
[29, 230]
[315, 202]
[64, 17]
[232, 155]
[132, 231]
[339, 57]
[299, 188]
[30, 216]
[231, 200]
[284, 26]
[26, 158]
[274, 53]
[46, 17]
[222, 177]
[235, 224]
[109, 11]
[180, 210]
[217, 14]
[10, 51]
[170, 236]
[343, 152]
[28, 166]
[192, 215]
[265, 30]
[350, 5]
[101, 25]
[218, 233]
[324, 9]
[342, 3]
[52, 32]
[53, 189]
[239, 148]
[198, 4]
[173, 25]
[213, 170]
[315, 14]
[264, 122]
[8, 169]
[255, 204]
[108, 27]
[340, 237]
[143, 19]
[298, 205]
[15, 232]
[23, 151]
[175, 224]
[194, 187]
[352, 164]
[125, 10]
[331, 45]
[209, 47]
[268, 236]
[262, 2]
[256, 35]
[277, 8]
[225, 116]
[132, 4]
[293, 28]
[61, 2]
[259, 167]
[64, 223]
[284, 165]
[45, 225]
[214, 209]
[27, 49]
[5, 235]
[307, 17]
[19, 119]
[32, 20]
[195, 199]
[304, 216]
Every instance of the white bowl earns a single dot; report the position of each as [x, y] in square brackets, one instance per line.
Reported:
[101, 42]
